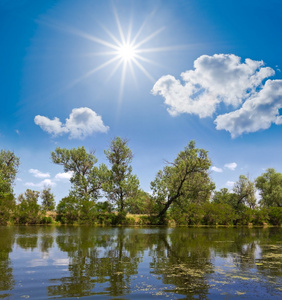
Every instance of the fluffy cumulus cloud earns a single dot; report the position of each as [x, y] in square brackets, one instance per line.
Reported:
[81, 123]
[42, 184]
[224, 78]
[63, 176]
[258, 112]
[216, 169]
[231, 166]
[38, 174]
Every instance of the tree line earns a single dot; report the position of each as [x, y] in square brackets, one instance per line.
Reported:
[182, 192]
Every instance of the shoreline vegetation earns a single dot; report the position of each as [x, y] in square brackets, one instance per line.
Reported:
[182, 193]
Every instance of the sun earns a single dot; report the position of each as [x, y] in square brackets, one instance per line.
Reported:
[127, 52]
[124, 51]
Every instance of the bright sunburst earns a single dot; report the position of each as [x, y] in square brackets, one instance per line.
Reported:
[125, 51]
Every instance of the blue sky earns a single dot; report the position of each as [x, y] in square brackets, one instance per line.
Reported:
[159, 73]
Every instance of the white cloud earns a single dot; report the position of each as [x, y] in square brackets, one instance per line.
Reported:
[81, 123]
[215, 79]
[54, 127]
[223, 78]
[36, 173]
[258, 112]
[215, 169]
[230, 183]
[66, 175]
[42, 184]
[231, 166]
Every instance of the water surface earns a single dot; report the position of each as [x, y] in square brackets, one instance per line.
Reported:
[140, 263]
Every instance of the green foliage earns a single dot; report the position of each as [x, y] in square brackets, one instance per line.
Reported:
[223, 196]
[8, 169]
[68, 210]
[218, 214]
[87, 178]
[244, 216]
[48, 201]
[46, 220]
[269, 185]
[140, 204]
[183, 182]
[244, 190]
[7, 208]
[121, 185]
[28, 210]
[260, 216]
[275, 215]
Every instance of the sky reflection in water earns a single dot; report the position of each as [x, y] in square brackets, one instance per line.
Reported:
[140, 263]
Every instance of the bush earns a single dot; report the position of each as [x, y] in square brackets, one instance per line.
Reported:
[46, 220]
[275, 215]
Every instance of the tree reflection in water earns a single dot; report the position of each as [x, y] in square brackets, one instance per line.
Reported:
[178, 263]
[7, 281]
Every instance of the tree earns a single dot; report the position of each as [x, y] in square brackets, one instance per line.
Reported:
[28, 208]
[122, 185]
[184, 181]
[48, 201]
[269, 185]
[244, 190]
[223, 196]
[140, 204]
[68, 210]
[87, 178]
[8, 169]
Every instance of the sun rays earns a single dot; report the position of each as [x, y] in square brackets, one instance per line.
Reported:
[124, 52]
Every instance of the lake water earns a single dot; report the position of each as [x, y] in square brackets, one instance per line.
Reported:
[140, 263]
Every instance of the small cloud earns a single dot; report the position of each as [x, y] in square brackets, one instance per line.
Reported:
[36, 173]
[231, 166]
[42, 184]
[63, 176]
[18, 132]
[19, 179]
[215, 169]
[82, 122]
[230, 183]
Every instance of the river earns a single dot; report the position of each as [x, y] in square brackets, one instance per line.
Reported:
[39, 262]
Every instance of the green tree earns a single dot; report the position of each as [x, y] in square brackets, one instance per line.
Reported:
[122, 184]
[140, 204]
[87, 179]
[48, 200]
[8, 169]
[68, 210]
[28, 209]
[184, 181]
[269, 185]
[223, 196]
[244, 189]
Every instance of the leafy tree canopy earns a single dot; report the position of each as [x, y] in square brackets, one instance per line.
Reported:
[122, 184]
[87, 178]
[8, 169]
[184, 181]
[269, 185]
